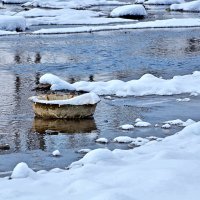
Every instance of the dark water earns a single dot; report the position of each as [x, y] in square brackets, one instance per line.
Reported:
[93, 57]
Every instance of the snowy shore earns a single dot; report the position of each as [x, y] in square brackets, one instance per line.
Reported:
[167, 169]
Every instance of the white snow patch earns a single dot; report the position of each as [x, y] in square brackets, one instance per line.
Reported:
[163, 2]
[102, 140]
[138, 120]
[194, 94]
[129, 10]
[123, 139]
[166, 126]
[126, 126]
[142, 124]
[180, 122]
[84, 151]
[56, 153]
[22, 171]
[12, 23]
[138, 142]
[146, 85]
[183, 99]
[192, 6]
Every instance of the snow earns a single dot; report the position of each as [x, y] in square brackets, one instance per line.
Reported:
[84, 151]
[84, 99]
[126, 126]
[128, 10]
[166, 126]
[56, 153]
[22, 171]
[142, 124]
[138, 142]
[180, 122]
[102, 140]
[12, 23]
[76, 4]
[193, 6]
[168, 23]
[163, 2]
[37, 16]
[138, 120]
[14, 1]
[154, 170]
[147, 85]
[123, 139]
[183, 100]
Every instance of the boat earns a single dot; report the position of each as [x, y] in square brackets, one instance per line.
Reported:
[65, 106]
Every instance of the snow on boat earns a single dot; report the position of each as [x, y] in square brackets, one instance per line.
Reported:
[65, 106]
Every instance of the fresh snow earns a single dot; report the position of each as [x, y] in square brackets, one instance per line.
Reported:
[152, 171]
[12, 23]
[163, 2]
[192, 6]
[123, 139]
[142, 124]
[102, 140]
[56, 153]
[167, 23]
[126, 126]
[84, 99]
[129, 10]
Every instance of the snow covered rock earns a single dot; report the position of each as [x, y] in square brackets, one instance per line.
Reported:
[22, 171]
[163, 2]
[123, 139]
[138, 120]
[129, 11]
[126, 126]
[138, 142]
[183, 100]
[102, 140]
[12, 23]
[166, 126]
[180, 122]
[142, 124]
[56, 153]
[84, 151]
[192, 6]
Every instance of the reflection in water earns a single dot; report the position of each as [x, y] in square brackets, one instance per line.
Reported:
[63, 125]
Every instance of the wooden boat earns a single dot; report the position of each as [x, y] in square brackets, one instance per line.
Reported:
[65, 106]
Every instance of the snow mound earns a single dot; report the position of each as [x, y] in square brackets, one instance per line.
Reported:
[193, 6]
[126, 126]
[22, 171]
[84, 99]
[56, 153]
[102, 140]
[12, 23]
[129, 11]
[183, 100]
[146, 85]
[123, 139]
[166, 126]
[180, 122]
[142, 124]
[163, 2]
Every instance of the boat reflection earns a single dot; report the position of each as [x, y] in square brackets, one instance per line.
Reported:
[55, 126]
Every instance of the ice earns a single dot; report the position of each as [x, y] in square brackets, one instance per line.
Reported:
[192, 6]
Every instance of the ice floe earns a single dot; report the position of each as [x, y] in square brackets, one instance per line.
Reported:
[192, 6]
[146, 85]
[12, 23]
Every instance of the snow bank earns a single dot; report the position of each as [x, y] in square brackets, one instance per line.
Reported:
[193, 6]
[129, 11]
[12, 23]
[153, 171]
[146, 85]
[22, 171]
[163, 2]
[168, 23]
[84, 99]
